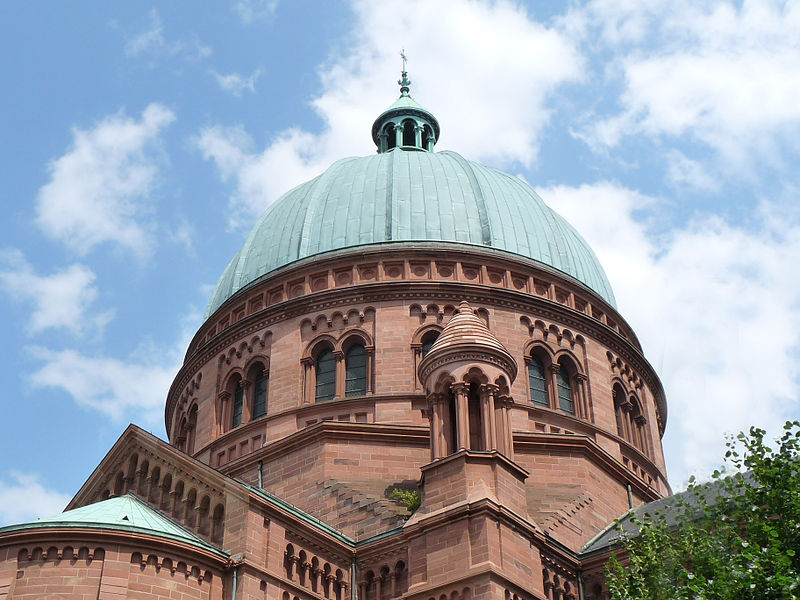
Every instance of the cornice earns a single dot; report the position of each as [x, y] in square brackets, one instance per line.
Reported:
[383, 291]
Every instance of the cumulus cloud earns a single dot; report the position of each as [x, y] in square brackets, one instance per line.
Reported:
[99, 189]
[124, 389]
[486, 113]
[62, 300]
[237, 84]
[23, 498]
[250, 11]
[725, 75]
[151, 42]
[714, 306]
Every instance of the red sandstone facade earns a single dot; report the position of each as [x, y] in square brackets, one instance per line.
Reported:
[291, 494]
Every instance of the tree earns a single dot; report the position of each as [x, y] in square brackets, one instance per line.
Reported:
[736, 537]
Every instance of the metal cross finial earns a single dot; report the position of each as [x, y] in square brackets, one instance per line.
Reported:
[404, 82]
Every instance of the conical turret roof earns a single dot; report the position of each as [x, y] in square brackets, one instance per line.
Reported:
[464, 333]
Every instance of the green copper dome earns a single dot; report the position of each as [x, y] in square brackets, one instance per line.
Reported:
[401, 196]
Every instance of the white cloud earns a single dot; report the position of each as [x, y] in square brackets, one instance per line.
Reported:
[714, 305]
[98, 190]
[24, 498]
[684, 172]
[62, 300]
[133, 388]
[727, 76]
[237, 84]
[486, 70]
[250, 11]
[151, 42]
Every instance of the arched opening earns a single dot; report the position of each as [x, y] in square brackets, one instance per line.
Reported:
[391, 136]
[450, 429]
[427, 138]
[356, 370]
[191, 429]
[537, 380]
[409, 133]
[260, 391]
[619, 399]
[325, 375]
[238, 406]
[566, 401]
[427, 342]
[475, 421]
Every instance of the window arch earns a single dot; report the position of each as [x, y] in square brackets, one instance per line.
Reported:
[233, 403]
[427, 341]
[259, 375]
[537, 380]
[325, 370]
[566, 385]
[238, 406]
[356, 370]
[619, 395]
[391, 136]
[409, 133]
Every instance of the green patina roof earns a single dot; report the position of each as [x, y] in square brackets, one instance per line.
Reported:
[403, 197]
[125, 513]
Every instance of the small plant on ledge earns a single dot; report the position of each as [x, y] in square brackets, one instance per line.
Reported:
[408, 498]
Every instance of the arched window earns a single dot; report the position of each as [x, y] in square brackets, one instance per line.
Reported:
[391, 136]
[537, 381]
[326, 375]
[355, 371]
[427, 342]
[564, 386]
[475, 422]
[409, 133]
[427, 138]
[238, 406]
[619, 399]
[260, 391]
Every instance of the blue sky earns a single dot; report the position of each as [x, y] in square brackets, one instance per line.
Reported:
[140, 143]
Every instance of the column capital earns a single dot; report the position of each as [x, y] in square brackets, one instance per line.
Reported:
[459, 387]
[489, 388]
[553, 367]
[224, 395]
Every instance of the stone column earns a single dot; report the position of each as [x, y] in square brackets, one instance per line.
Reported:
[341, 374]
[398, 134]
[434, 411]
[580, 380]
[247, 411]
[552, 388]
[224, 398]
[308, 380]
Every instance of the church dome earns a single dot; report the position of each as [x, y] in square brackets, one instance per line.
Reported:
[409, 195]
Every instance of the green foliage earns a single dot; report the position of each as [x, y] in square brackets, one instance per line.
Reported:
[408, 498]
[737, 537]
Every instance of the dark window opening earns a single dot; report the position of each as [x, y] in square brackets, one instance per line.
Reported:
[356, 371]
[238, 405]
[260, 395]
[427, 138]
[565, 401]
[538, 382]
[409, 134]
[452, 442]
[475, 421]
[391, 136]
[326, 376]
[427, 342]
